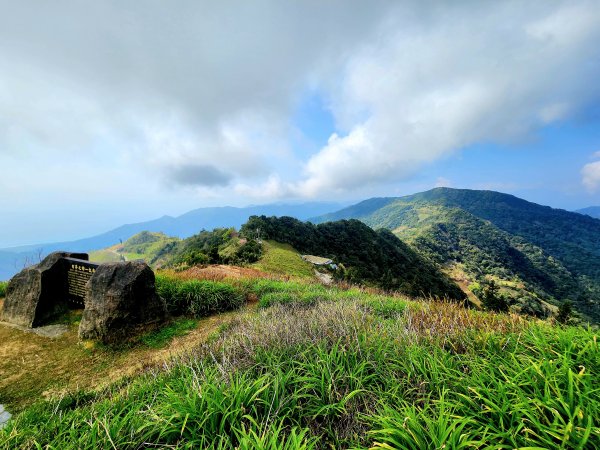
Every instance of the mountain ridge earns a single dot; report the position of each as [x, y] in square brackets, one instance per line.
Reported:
[539, 253]
[592, 211]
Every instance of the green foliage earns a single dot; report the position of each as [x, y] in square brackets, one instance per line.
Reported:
[3, 285]
[550, 255]
[152, 247]
[202, 298]
[198, 298]
[386, 307]
[565, 311]
[220, 246]
[372, 257]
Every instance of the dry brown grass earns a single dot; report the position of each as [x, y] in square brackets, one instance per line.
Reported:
[220, 272]
[282, 326]
[33, 367]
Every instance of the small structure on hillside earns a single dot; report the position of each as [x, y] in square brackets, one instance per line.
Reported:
[116, 297]
[320, 261]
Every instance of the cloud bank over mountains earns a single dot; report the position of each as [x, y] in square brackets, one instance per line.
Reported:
[198, 98]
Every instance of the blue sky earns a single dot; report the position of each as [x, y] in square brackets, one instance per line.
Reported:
[112, 115]
[543, 166]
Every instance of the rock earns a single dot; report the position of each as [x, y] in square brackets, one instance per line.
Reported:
[38, 293]
[4, 416]
[120, 296]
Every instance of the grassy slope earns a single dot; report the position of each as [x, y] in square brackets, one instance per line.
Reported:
[283, 259]
[346, 369]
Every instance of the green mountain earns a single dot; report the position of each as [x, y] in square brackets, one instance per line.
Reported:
[536, 253]
[366, 256]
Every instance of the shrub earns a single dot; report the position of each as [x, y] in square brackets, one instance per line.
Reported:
[565, 311]
[3, 285]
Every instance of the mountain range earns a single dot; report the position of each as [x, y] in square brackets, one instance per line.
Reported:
[537, 254]
[592, 211]
[14, 259]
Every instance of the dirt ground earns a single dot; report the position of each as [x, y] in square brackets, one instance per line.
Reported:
[34, 366]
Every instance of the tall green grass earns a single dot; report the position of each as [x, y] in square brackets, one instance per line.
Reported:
[198, 298]
[335, 375]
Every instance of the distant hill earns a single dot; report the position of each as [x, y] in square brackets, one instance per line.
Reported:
[188, 224]
[373, 257]
[592, 211]
[537, 253]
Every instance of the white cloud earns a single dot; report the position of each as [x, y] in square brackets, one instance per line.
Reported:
[174, 106]
[591, 176]
[443, 182]
[464, 74]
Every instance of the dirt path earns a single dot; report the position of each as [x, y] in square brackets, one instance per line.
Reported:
[34, 366]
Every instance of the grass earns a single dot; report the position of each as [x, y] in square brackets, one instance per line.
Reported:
[164, 335]
[198, 298]
[282, 259]
[323, 367]
[351, 369]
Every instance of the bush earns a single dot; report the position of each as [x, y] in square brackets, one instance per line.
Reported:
[197, 298]
[249, 252]
[3, 285]
[203, 298]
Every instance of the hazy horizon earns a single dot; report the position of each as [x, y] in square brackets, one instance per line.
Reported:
[115, 113]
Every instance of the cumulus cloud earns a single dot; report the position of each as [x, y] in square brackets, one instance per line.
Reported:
[591, 176]
[463, 74]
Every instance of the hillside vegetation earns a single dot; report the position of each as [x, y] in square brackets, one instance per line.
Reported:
[328, 368]
[538, 254]
[365, 256]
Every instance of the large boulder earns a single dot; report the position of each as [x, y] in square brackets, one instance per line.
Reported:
[40, 292]
[120, 297]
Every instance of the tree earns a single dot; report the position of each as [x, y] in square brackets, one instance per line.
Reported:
[492, 299]
[565, 311]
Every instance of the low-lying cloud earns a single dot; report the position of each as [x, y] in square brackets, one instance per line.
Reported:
[197, 175]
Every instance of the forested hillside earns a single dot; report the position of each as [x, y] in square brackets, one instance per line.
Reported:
[376, 257]
[537, 253]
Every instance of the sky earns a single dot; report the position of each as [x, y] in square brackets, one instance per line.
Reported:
[114, 112]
